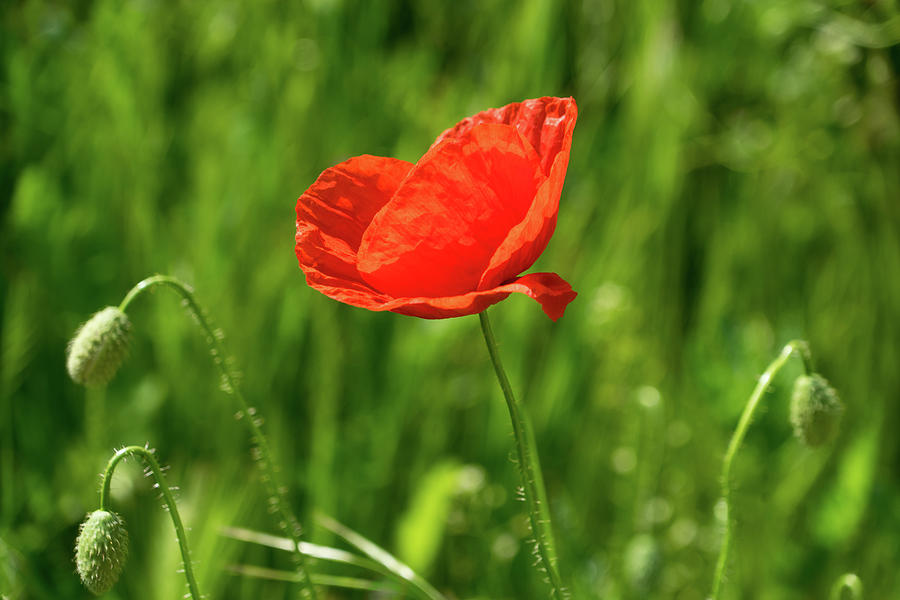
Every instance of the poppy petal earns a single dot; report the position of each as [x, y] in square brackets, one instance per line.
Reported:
[547, 123]
[528, 239]
[439, 231]
[331, 218]
[550, 290]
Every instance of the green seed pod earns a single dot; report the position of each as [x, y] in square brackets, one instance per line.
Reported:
[101, 550]
[99, 347]
[815, 410]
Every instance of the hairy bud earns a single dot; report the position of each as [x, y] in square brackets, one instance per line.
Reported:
[99, 347]
[815, 410]
[101, 550]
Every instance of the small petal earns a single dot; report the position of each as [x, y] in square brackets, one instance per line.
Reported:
[550, 290]
[438, 233]
[331, 218]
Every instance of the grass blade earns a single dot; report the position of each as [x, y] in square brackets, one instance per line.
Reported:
[352, 583]
[383, 557]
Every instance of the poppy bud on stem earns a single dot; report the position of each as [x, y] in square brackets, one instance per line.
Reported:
[99, 347]
[815, 410]
[101, 550]
[285, 518]
[810, 396]
[102, 544]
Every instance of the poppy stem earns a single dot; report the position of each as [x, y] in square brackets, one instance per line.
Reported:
[270, 471]
[147, 456]
[765, 380]
[529, 468]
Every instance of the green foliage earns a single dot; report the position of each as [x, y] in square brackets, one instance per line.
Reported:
[421, 527]
[733, 185]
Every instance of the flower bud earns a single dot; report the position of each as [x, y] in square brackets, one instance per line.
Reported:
[101, 550]
[815, 410]
[99, 347]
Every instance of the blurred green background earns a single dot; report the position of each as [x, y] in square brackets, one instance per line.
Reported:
[734, 183]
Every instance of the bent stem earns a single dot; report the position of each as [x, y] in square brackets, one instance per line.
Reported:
[150, 460]
[529, 468]
[287, 522]
[795, 346]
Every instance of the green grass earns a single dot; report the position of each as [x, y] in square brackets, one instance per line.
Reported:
[733, 184]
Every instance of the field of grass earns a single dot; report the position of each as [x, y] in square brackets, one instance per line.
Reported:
[734, 183]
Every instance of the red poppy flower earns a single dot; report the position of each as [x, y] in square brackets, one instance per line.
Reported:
[449, 235]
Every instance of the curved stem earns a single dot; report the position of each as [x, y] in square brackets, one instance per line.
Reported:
[847, 581]
[529, 468]
[270, 472]
[147, 456]
[765, 380]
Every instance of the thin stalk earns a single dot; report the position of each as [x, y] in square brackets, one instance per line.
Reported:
[155, 469]
[529, 468]
[765, 380]
[287, 521]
